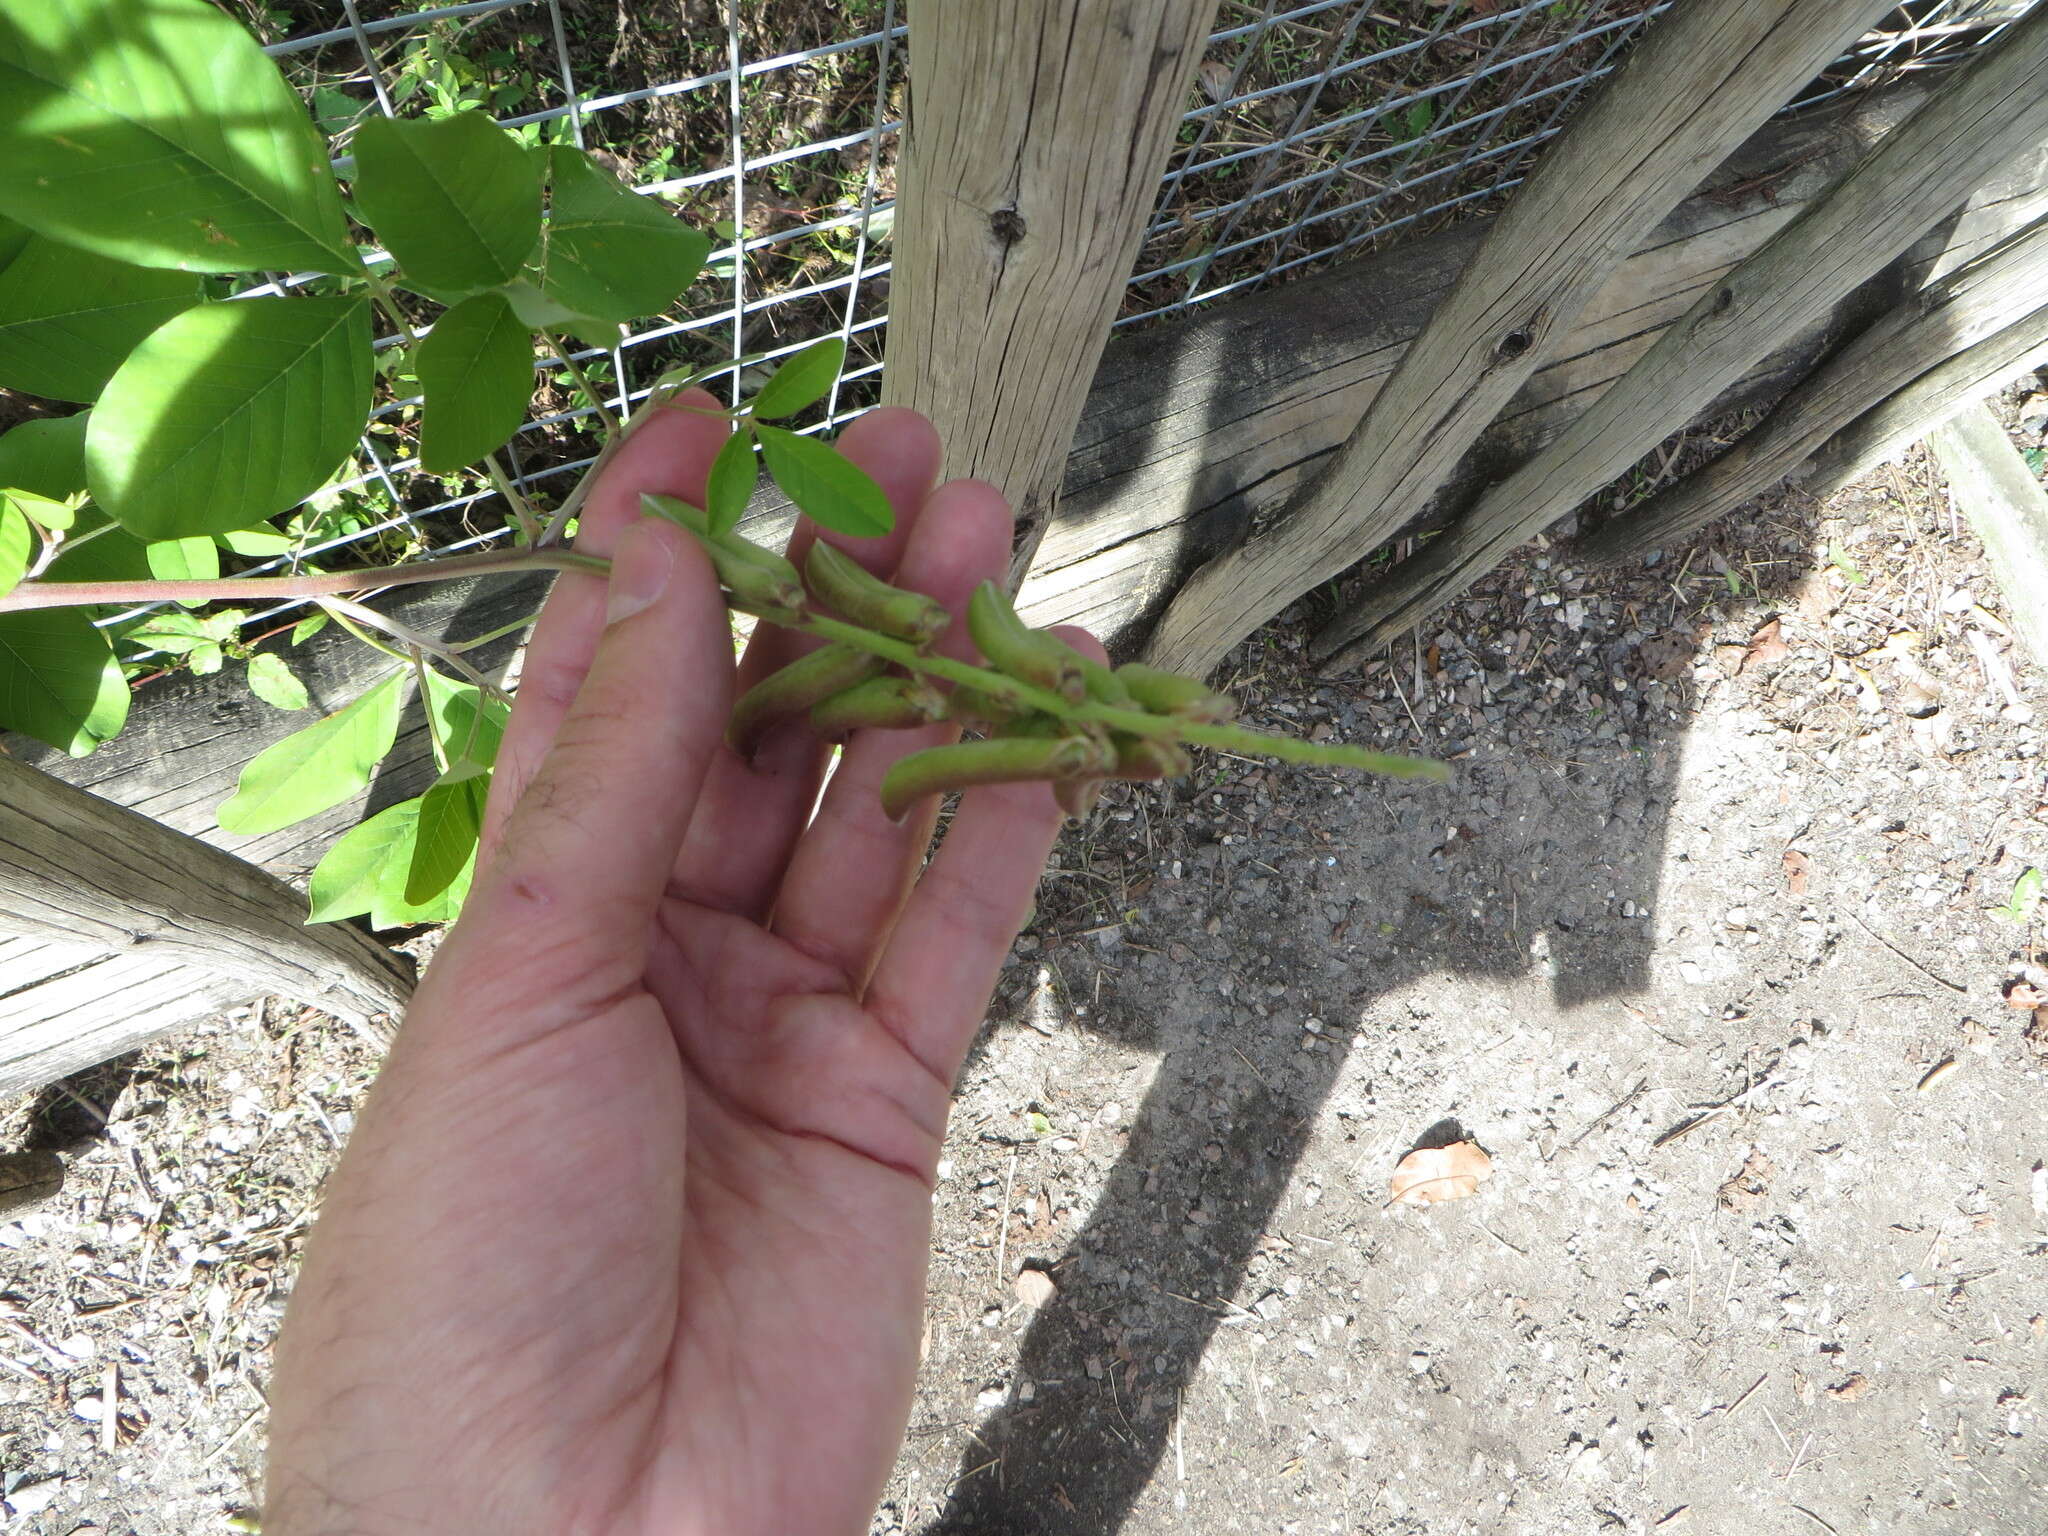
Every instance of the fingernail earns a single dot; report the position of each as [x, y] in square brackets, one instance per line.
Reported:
[641, 567]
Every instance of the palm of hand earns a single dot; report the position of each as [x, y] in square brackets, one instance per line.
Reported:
[632, 1233]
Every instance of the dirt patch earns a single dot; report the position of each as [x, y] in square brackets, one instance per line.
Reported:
[1703, 948]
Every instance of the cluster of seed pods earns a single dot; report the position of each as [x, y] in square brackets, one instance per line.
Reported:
[1042, 711]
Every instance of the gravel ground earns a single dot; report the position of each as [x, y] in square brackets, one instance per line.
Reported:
[1702, 946]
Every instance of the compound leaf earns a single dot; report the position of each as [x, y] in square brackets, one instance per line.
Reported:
[802, 380]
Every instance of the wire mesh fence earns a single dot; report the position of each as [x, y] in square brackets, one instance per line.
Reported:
[1314, 130]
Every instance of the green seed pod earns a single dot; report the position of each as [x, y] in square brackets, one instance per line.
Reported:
[880, 703]
[1027, 654]
[1005, 760]
[1146, 758]
[792, 691]
[845, 586]
[758, 580]
[984, 711]
[1103, 685]
[1168, 693]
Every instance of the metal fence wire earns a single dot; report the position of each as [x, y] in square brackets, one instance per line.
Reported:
[1314, 130]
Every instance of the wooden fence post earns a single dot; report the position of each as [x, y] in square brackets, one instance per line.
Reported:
[1035, 140]
[1703, 77]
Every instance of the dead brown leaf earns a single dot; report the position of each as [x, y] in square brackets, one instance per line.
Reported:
[1430, 1175]
[1750, 1185]
[1034, 1287]
[1815, 598]
[2036, 1032]
[1215, 77]
[2023, 994]
[1765, 646]
[1849, 1390]
[1797, 867]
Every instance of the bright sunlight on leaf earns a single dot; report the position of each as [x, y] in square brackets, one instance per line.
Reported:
[17, 542]
[1430, 1175]
[315, 769]
[159, 133]
[272, 681]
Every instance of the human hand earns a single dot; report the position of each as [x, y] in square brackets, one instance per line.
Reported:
[631, 1234]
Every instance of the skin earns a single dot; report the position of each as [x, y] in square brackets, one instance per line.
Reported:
[631, 1234]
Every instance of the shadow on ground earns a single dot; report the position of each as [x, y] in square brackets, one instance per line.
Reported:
[1546, 851]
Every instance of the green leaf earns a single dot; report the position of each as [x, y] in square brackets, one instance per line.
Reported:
[17, 544]
[230, 413]
[172, 633]
[68, 317]
[451, 816]
[56, 516]
[536, 311]
[205, 659]
[315, 769]
[468, 725]
[828, 489]
[275, 683]
[307, 628]
[476, 372]
[608, 252]
[59, 681]
[2026, 891]
[801, 380]
[733, 477]
[184, 560]
[157, 132]
[46, 456]
[261, 542]
[365, 872]
[345, 883]
[455, 200]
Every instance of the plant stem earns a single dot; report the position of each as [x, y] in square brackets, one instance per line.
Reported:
[72, 594]
[575, 371]
[420, 645]
[1132, 722]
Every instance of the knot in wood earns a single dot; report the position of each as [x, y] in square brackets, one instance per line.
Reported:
[1007, 225]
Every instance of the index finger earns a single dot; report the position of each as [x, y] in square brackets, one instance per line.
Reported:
[671, 451]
